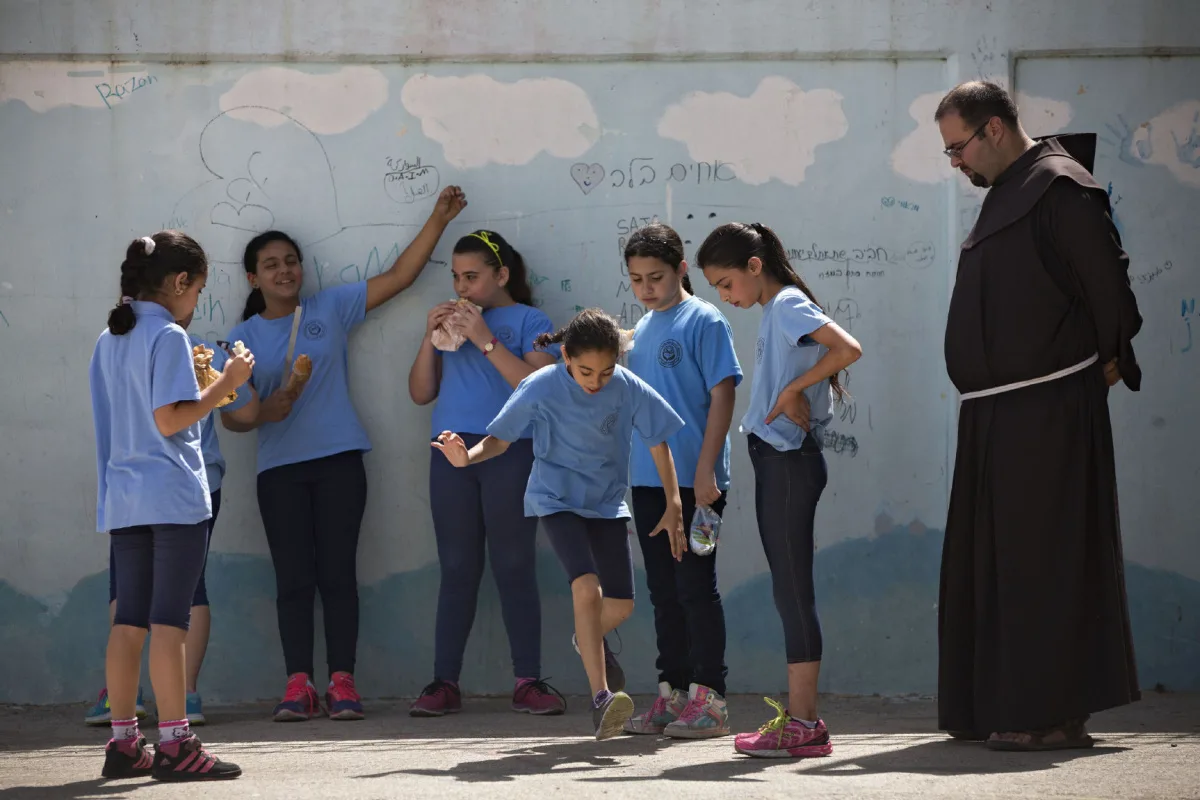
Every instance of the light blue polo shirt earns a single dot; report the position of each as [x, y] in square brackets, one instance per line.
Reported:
[472, 390]
[785, 351]
[145, 478]
[323, 421]
[214, 462]
[683, 353]
[581, 441]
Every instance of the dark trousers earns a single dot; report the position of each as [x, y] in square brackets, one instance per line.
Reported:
[312, 511]
[787, 486]
[689, 620]
[480, 506]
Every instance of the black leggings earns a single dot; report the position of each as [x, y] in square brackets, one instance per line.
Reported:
[312, 512]
[787, 486]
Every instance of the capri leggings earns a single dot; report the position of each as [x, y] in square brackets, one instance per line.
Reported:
[158, 568]
[787, 486]
[200, 597]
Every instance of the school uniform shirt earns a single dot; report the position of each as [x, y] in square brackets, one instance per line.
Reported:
[323, 421]
[581, 441]
[683, 353]
[785, 351]
[472, 390]
[145, 478]
[214, 462]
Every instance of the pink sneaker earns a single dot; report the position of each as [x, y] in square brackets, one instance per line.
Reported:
[342, 699]
[538, 698]
[300, 701]
[667, 707]
[784, 737]
[437, 699]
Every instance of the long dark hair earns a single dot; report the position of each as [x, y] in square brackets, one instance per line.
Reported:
[733, 245]
[660, 241]
[256, 303]
[497, 253]
[591, 330]
[143, 273]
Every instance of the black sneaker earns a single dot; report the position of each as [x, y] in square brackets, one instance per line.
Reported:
[614, 675]
[609, 717]
[123, 762]
[189, 761]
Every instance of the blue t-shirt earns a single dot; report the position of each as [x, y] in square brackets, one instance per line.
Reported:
[146, 478]
[785, 351]
[472, 390]
[683, 353]
[581, 441]
[323, 421]
[214, 462]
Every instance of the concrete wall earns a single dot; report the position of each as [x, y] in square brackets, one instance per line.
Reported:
[583, 121]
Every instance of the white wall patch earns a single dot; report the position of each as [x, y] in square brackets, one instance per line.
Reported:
[325, 103]
[479, 120]
[773, 133]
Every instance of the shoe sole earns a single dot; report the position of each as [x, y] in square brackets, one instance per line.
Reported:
[343, 716]
[548, 712]
[813, 751]
[186, 777]
[692, 733]
[619, 711]
[292, 716]
[420, 712]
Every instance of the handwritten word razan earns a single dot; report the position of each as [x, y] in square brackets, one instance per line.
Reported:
[111, 93]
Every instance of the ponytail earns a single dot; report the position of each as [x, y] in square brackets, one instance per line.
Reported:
[149, 262]
[255, 304]
[735, 243]
[121, 319]
[591, 330]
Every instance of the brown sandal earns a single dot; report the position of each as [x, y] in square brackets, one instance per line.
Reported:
[1074, 737]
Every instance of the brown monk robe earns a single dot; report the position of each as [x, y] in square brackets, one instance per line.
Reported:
[1033, 622]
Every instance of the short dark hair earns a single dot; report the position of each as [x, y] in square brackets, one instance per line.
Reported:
[977, 102]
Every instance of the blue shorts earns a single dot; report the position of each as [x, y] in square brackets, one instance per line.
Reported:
[599, 547]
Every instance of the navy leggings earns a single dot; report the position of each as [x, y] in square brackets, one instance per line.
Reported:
[473, 507]
[787, 486]
[159, 566]
[689, 620]
[312, 512]
[200, 596]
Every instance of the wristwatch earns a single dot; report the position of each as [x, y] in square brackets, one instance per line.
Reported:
[490, 346]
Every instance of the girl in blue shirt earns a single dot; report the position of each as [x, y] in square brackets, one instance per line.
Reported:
[485, 501]
[683, 348]
[583, 413]
[201, 618]
[312, 485]
[153, 497]
[798, 356]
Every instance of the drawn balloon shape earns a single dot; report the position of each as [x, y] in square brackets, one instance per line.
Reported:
[408, 183]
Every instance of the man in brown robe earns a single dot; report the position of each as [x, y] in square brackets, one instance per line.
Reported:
[1033, 622]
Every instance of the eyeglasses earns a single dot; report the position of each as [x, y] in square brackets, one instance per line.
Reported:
[483, 237]
[955, 150]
